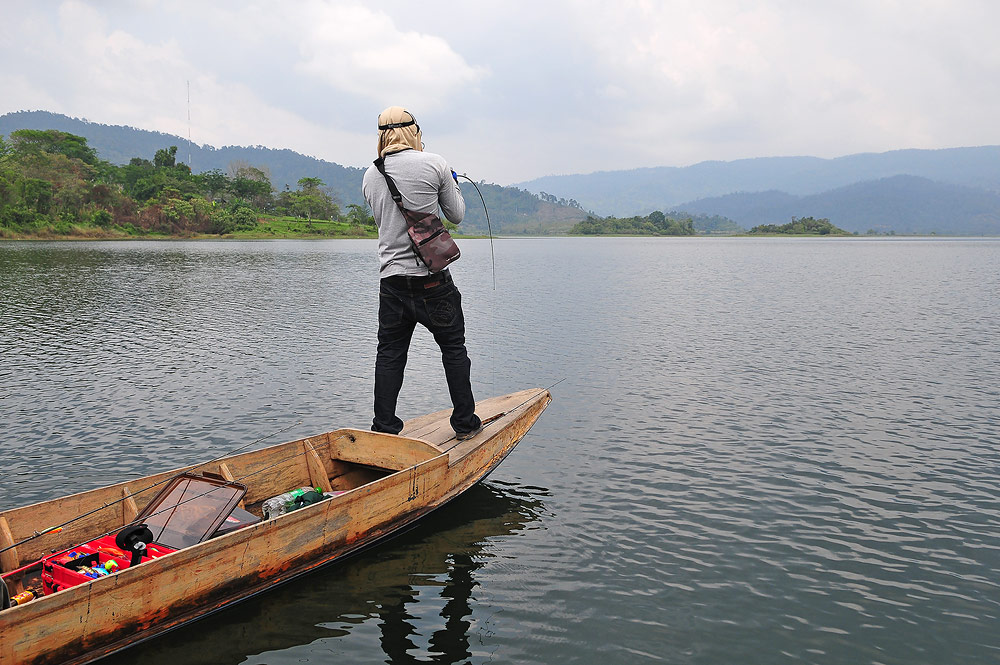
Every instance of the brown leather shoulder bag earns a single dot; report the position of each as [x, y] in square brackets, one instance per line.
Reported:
[431, 241]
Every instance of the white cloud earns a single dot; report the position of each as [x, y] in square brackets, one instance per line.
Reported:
[524, 89]
[25, 93]
[114, 77]
[727, 79]
[362, 52]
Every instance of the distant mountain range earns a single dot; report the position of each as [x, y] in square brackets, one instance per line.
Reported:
[950, 191]
[954, 191]
[900, 204]
[642, 190]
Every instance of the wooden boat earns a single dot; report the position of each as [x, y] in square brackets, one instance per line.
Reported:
[387, 483]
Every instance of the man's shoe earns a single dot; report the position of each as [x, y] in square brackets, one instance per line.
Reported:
[465, 436]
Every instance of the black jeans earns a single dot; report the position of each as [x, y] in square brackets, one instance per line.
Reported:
[434, 302]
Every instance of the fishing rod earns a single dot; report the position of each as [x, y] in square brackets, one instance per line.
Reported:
[492, 419]
[493, 264]
[488, 226]
[139, 545]
[174, 506]
[167, 509]
[281, 461]
[57, 529]
[60, 527]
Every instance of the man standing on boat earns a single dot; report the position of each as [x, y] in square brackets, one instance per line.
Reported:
[408, 292]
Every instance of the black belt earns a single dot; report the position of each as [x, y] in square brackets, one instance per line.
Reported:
[421, 282]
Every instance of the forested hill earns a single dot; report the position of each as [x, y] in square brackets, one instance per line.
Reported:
[517, 211]
[512, 210]
[119, 144]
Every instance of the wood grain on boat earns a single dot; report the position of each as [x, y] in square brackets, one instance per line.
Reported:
[387, 481]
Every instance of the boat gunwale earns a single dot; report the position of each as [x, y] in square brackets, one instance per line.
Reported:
[110, 495]
[459, 471]
[456, 452]
[363, 546]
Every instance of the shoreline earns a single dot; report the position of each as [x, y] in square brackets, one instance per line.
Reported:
[268, 236]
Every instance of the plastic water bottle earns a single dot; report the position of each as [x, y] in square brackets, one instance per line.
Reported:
[285, 503]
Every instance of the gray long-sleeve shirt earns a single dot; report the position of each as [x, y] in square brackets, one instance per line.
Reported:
[424, 179]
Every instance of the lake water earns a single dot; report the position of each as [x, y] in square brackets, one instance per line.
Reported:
[760, 450]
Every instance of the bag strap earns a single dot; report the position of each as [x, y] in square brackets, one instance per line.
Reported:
[396, 196]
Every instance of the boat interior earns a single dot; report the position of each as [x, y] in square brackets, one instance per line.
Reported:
[57, 544]
[183, 507]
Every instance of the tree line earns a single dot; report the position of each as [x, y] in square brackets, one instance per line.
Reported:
[655, 223]
[551, 198]
[800, 226]
[52, 182]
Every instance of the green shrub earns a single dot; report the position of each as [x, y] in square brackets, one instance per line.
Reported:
[18, 217]
[62, 226]
[244, 218]
[101, 218]
[236, 218]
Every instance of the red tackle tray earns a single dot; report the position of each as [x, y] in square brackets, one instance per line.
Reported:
[62, 570]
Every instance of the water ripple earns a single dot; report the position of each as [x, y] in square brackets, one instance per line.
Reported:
[763, 450]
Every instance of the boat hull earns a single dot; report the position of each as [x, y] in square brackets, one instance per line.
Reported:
[89, 621]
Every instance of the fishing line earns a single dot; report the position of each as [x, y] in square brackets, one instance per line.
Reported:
[492, 419]
[487, 422]
[56, 529]
[306, 451]
[168, 508]
[537, 394]
[493, 264]
[164, 510]
[489, 228]
[235, 480]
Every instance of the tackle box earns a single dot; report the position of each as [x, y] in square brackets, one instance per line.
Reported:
[189, 510]
[62, 570]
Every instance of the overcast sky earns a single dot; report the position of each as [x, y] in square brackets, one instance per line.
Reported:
[510, 91]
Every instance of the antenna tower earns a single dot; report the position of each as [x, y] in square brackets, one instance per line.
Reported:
[189, 125]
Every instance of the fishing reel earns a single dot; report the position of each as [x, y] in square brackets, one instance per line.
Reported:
[134, 539]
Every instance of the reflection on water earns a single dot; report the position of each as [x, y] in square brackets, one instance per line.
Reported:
[417, 592]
